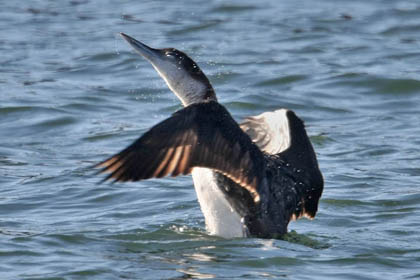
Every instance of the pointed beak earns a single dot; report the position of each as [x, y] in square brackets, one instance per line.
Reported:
[147, 52]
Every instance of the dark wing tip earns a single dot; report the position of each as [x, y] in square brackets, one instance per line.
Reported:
[308, 204]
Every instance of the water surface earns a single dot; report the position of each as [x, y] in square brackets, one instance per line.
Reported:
[72, 92]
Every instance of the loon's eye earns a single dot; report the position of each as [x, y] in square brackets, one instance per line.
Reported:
[169, 54]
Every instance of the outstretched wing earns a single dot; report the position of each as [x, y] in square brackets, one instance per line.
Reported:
[282, 134]
[200, 135]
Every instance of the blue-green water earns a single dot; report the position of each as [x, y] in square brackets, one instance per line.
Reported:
[72, 93]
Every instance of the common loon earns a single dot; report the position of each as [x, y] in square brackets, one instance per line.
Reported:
[251, 179]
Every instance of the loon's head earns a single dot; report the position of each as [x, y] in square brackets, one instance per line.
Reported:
[181, 73]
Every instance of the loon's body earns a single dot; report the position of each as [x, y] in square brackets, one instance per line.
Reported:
[251, 179]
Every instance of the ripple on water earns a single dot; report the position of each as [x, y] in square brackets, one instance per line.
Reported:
[284, 80]
[205, 25]
[226, 8]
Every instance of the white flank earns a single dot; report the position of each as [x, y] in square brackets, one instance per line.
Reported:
[221, 219]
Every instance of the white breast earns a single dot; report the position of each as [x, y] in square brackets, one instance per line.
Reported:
[220, 218]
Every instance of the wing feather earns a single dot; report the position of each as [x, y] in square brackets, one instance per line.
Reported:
[200, 135]
[269, 130]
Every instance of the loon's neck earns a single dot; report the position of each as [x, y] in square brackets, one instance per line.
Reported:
[192, 90]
